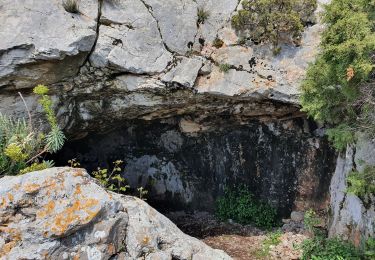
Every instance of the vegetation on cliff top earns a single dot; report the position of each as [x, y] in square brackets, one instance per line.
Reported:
[339, 88]
[269, 20]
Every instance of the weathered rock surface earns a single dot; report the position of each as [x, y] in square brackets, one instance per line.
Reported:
[129, 39]
[352, 218]
[61, 213]
[42, 43]
[92, 56]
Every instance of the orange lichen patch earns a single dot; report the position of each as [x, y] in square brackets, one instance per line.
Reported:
[3, 202]
[16, 186]
[78, 212]
[76, 257]
[146, 240]
[15, 237]
[78, 190]
[111, 250]
[30, 187]
[78, 172]
[48, 209]
[7, 248]
[10, 197]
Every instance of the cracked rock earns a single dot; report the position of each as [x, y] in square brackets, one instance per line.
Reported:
[177, 22]
[42, 43]
[129, 40]
[185, 72]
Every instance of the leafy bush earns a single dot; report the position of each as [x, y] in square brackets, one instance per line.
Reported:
[320, 248]
[362, 183]
[22, 146]
[339, 88]
[241, 206]
[311, 220]
[267, 20]
[369, 250]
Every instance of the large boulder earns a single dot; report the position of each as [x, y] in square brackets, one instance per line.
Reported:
[61, 213]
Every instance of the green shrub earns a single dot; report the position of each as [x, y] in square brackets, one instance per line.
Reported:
[338, 88]
[311, 220]
[22, 146]
[362, 184]
[267, 20]
[71, 6]
[369, 250]
[202, 15]
[217, 43]
[241, 206]
[225, 67]
[320, 248]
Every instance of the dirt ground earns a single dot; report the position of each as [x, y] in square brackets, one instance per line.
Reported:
[239, 241]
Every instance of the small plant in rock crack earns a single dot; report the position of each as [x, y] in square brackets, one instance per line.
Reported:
[113, 180]
[142, 193]
[224, 67]
[217, 43]
[74, 163]
[71, 6]
[202, 15]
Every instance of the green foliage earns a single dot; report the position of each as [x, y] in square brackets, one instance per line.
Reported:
[340, 136]
[217, 43]
[311, 220]
[241, 206]
[272, 239]
[142, 193]
[224, 67]
[112, 180]
[202, 15]
[55, 138]
[362, 183]
[37, 166]
[369, 250]
[22, 146]
[71, 6]
[74, 163]
[267, 20]
[320, 248]
[336, 87]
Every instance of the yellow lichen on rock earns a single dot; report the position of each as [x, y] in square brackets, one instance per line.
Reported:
[77, 214]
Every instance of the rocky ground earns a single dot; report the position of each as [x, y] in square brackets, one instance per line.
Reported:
[239, 241]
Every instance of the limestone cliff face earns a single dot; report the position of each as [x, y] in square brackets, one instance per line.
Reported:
[351, 218]
[140, 80]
